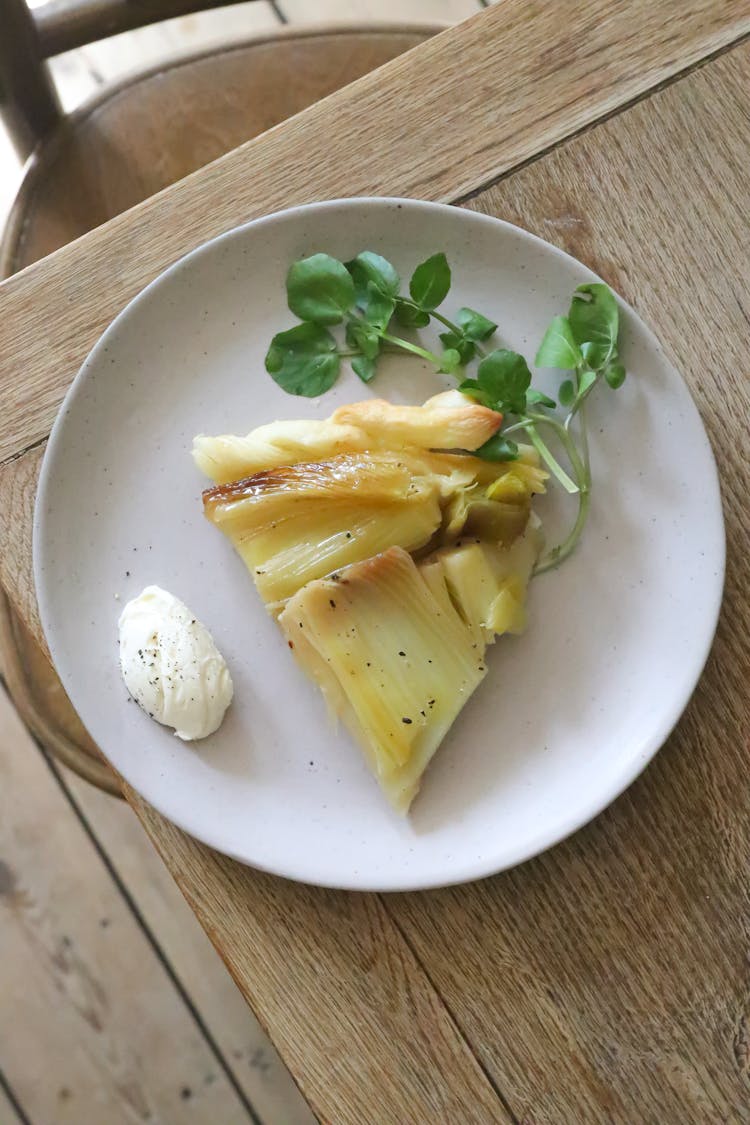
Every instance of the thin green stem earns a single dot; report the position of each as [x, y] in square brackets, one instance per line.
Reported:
[522, 425]
[583, 430]
[449, 324]
[558, 554]
[405, 345]
[568, 445]
[552, 463]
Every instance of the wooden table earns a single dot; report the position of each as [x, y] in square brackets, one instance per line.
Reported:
[608, 980]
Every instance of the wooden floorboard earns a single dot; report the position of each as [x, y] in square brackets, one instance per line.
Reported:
[93, 1029]
[166, 917]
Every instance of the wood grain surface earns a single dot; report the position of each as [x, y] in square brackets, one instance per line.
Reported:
[17, 490]
[550, 72]
[606, 981]
[96, 1001]
[244, 1049]
[350, 1007]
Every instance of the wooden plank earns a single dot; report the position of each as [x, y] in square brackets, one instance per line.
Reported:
[17, 491]
[349, 1007]
[88, 995]
[608, 980]
[246, 1049]
[448, 11]
[385, 133]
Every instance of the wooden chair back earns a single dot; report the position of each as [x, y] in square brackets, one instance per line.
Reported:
[29, 105]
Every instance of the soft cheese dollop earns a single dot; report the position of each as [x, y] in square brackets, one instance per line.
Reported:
[171, 665]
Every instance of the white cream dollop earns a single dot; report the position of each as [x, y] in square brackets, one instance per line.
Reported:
[171, 665]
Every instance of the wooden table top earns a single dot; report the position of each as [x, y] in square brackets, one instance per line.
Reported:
[608, 979]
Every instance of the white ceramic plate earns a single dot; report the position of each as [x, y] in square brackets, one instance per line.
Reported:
[569, 713]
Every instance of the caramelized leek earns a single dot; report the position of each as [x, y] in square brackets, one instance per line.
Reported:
[394, 663]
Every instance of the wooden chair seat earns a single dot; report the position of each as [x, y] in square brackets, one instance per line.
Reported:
[130, 142]
[141, 135]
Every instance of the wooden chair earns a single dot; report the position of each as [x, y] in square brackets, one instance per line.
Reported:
[124, 145]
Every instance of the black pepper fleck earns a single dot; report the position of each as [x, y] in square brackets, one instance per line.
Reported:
[407, 721]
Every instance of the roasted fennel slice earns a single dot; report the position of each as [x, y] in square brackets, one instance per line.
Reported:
[395, 662]
[298, 523]
[487, 582]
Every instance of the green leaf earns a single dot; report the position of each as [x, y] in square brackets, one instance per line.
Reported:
[319, 289]
[430, 282]
[505, 377]
[559, 348]
[364, 366]
[615, 375]
[472, 389]
[450, 361]
[475, 326]
[536, 398]
[566, 393]
[587, 380]
[377, 308]
[369, 268]
[364, 337]
[408, 316]
[304, 360]
[594, 322]
[498, 448]
[465, 348]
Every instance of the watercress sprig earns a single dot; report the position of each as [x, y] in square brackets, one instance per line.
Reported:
[364, 295]
[585, 342]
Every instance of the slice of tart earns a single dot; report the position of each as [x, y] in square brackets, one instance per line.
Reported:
[391, 557]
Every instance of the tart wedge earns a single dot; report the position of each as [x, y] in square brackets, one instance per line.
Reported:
[391, 557]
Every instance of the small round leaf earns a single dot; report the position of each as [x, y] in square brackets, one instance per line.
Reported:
[320, 289]
[303, 360]
[430, 282]
[615, 375]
